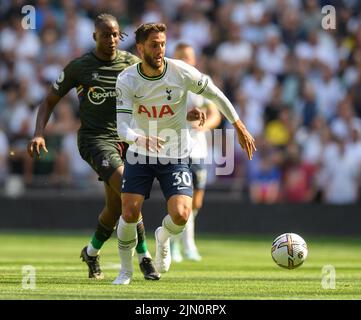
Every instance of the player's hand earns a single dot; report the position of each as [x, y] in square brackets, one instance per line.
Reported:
[123, 148]
[245, 139]
[35, 145]
[152, 144]
[197, 115]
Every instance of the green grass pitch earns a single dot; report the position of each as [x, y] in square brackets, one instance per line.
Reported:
[232, 268]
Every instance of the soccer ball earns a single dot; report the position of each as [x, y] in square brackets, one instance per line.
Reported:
[289, 250]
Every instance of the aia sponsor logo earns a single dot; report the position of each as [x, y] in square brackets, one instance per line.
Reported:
[154, 112]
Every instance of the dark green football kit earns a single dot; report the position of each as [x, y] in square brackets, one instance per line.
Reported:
[95, 80]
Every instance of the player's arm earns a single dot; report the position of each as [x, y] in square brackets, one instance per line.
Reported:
[200, 84]
[63, 84]
[128, 135]
[245, 139]
[124, 111]
[209, 119]
[45, 110]
[197, 115]
[213, 116]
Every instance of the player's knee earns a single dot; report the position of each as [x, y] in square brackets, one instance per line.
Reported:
[130, 214]
[180, 221]
[108, 219]
[182, 214]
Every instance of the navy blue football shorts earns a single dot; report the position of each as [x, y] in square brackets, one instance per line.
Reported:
[174, 178]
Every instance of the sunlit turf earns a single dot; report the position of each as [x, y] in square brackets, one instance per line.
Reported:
[232, 268]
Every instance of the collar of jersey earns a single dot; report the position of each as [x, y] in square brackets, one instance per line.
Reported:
[156, 77]
[104, 61]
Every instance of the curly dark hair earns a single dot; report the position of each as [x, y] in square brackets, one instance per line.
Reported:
[103, 18]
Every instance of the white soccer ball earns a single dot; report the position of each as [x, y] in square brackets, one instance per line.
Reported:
[289, 250]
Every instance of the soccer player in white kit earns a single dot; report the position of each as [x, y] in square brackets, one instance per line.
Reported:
[152, 119]
[185, 52]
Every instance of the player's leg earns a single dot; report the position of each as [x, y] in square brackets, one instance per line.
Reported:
[106, 221]
[179, 209]
[136, 186]
[98, 156]
[106, 224]
[199, 174]
[127, 235]
[90, 253]
[176, 183]
[190, 248]
[114, 204]
[175, 248]
[105, 159]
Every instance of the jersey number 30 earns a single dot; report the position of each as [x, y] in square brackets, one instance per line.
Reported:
[182, 176]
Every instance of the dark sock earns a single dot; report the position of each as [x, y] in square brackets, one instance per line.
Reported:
[101, 235]
[142, 245]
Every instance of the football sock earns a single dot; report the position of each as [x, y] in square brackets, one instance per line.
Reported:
[127, 239]
[101, 235]
[169, 228]
[141, 247]
[143, 255]
[177, 238]
[188, 234]
[90, 250]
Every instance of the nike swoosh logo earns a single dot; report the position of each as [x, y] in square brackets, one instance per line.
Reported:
[181, 188]
[135, 96]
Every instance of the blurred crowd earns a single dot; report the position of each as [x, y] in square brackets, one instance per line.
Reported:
[296, 86]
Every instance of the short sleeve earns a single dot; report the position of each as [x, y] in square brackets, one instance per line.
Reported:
[66, 80]
[124, 96]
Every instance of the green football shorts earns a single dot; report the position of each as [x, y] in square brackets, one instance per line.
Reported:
[103, 156]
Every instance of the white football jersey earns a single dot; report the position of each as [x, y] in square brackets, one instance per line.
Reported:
[159, 105]
[199, 140]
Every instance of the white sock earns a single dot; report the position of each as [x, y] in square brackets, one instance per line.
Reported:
[91, 251]
[127, 241]
[177, 238]
[188, 234]
[143, 255]
[168, 229]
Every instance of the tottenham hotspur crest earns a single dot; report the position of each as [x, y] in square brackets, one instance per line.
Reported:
[168, 91]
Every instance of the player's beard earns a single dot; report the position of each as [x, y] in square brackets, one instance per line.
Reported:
[151, 63]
